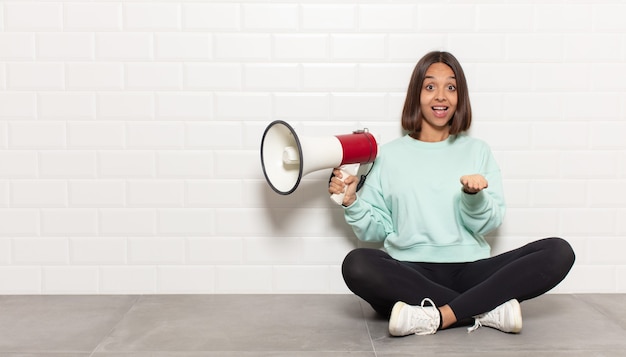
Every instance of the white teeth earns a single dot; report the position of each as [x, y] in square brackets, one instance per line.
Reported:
[440, 108]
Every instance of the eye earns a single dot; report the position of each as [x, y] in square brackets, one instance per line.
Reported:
[451, 88]
[429, 87]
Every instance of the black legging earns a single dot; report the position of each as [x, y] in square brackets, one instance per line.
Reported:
[469, 289]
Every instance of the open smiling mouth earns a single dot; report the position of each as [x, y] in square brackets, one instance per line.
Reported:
[440, 111]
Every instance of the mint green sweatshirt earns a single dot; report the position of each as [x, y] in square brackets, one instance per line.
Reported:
[413, 201]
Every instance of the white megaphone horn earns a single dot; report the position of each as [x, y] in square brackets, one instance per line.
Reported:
[286, 158]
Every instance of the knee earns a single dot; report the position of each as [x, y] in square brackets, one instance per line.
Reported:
[357, 266]
[561, 253]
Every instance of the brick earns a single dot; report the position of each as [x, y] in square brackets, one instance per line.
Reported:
[213, 135]
[152, 16]
[329, 17]
[19, 222]
[296, 106]
[358, 47]
[463, 46]
[545, 135]
[386, 17]
[214, 250]
[65, 46]
[95, 76]
[37, 135]
[124, 46]
[330, 77]
[213, 76]
[271, 77]
[307, 47]
[70, 280]
[45, 251]
[67, 106]
[93, 16]
[96, 135]
[126, 164]
[207, 16]
[98, 251]
[191, 222]
[126, 106]
[148, 193]
[270, 17]
[571, 17]
[184, 106]
[358, 106]
[128, 280]
[244, 279]
[459, 18]
[301, 279]
[142, 135]
[384, 77]
[35, 76]
[67, 164]
[161, 251]
[35, 193]
[18, 106]
[579, 47]
[581, 221]
[33, 16]
[187, 164]
[213, 193]
[606, 17]
[237, 164]
[185, 280]
[183, 46]
[411, 47]
[20, 280]
[19, 164]
[243, 106]
[127, 222]
[94, 193]
[69, 222]
[270, 251]
[505, 17]
[17, 46]
[237, 46]
[155, 76]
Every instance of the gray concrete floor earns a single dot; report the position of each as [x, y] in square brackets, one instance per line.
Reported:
[289, 325]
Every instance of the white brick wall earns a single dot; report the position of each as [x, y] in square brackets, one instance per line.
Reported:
[130, 131]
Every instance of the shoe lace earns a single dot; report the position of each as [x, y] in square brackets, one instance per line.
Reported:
[432, 316]
[476, 326]
[493, 315]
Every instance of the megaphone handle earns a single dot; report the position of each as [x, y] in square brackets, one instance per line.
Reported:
[348, 169]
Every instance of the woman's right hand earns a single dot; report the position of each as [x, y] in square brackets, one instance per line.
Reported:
[348, 185]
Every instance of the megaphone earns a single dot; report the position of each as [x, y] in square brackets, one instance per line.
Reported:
[286, 158]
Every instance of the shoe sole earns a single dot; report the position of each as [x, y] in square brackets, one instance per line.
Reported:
[393, 320]
[517, 321]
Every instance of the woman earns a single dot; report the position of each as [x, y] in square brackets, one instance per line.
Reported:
[430, 198]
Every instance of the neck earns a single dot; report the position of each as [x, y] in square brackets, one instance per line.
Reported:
[430, 137]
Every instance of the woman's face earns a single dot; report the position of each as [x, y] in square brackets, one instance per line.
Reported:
[438, 99]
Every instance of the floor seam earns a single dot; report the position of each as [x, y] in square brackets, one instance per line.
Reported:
[369, 333]
[115, 325]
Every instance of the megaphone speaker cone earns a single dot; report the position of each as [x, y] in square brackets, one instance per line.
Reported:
[279, 137]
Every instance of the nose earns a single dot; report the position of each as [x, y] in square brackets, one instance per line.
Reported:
[440, 95]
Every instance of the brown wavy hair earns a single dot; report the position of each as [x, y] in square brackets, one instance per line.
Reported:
[412, 114]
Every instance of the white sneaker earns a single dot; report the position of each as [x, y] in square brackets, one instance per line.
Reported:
[420, 320]
[506, 318]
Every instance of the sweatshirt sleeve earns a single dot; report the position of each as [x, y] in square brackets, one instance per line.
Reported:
[484, 211]
[369, 216]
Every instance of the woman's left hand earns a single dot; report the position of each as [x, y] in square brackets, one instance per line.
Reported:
[473, 183]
